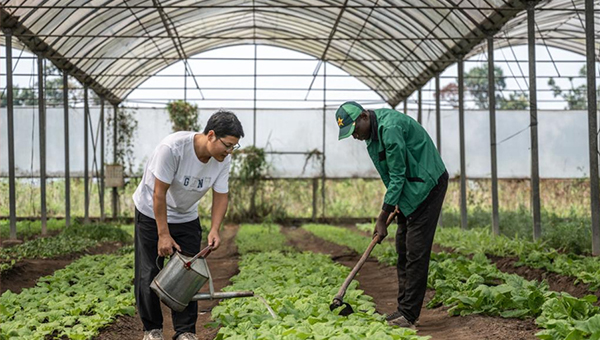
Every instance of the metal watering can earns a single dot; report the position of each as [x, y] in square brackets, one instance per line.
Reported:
[178, 283]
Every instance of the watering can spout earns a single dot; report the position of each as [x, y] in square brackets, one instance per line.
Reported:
[222, 295]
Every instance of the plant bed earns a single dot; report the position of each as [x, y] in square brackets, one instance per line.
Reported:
[380, 281]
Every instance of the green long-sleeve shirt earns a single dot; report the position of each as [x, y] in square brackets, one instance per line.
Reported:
[406, 158]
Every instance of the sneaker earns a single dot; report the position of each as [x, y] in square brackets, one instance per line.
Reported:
[397, 319]
[187, 336]
[155, 334]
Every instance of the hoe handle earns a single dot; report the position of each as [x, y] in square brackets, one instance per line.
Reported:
[340, 295]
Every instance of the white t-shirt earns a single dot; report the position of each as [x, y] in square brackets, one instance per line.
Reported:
[175, 162]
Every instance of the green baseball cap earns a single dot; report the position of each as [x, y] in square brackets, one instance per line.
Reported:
[345, 116]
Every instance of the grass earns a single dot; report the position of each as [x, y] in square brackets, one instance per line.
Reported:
[565, 203]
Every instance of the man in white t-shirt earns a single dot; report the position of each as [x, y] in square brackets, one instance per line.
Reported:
[184, 166]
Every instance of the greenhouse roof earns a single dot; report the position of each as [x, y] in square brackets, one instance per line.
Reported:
[394, 47]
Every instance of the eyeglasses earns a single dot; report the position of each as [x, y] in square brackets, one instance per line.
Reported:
[229, 147]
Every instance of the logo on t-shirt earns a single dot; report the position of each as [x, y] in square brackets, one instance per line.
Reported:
[193, 183]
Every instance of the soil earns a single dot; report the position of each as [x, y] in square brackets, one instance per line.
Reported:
[222, 264]
[380, 282]
[26, 272]
[558, 283]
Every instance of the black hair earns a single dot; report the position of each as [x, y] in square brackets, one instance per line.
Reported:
[224, 123]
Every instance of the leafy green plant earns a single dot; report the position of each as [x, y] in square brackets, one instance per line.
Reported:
[299, 288]
[385, 252]
[75, 302]
[533, 254]
[475, 286]
[183, 115]
[260, 238]
[71, 240]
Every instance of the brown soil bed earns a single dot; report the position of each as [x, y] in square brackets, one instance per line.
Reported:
[223, 265]
[380, 282]
[557, 282]
[26, 272]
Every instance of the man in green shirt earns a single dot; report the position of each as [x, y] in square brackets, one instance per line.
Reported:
[416, 180]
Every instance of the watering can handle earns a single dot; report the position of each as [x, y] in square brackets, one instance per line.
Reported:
[203, 253]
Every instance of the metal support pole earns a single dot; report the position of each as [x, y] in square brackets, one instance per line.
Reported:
[42, 136]
[461, 123]
[406, 106]
[67, 155]
[420, 106]
[254, 113]
[438, 115]
[492, 107]
[11, 135]
[592, 124]
[315, 186]
[185, 74]
[115, 194]
[324, 114]
[86, 174]
[438, 124]
[102, 212]
[535, 165]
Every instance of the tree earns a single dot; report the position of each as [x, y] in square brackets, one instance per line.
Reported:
[477, 83]
[576, 97]
[516, 101]
[449, 94]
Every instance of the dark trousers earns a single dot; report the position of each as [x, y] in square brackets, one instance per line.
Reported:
[188, 236]
[414, 239]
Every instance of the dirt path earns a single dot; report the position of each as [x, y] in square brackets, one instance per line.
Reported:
[223, 265]
[26, 272]
[381, 283]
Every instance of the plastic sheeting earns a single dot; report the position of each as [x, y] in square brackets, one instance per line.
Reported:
[562, 142]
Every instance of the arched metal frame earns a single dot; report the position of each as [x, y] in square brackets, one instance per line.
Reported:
[394, 47]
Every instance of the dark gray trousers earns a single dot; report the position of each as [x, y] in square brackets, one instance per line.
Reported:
[188, 236]
[414, 239]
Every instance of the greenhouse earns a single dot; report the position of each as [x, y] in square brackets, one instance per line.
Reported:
[480, 166]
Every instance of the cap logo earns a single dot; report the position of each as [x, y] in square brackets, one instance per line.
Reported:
[340, 122]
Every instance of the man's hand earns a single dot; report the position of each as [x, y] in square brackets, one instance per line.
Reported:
[166, 245]
[214, 239]
[381, 226]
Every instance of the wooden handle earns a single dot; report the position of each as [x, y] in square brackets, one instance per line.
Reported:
[363, 259]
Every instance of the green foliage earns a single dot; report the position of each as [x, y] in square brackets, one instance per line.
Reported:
[75, 302]
[253, 199]
[299, 288]
[385, 252]
[532, 254]
[475, 286]
[29, 229]
[249, 164]
[566, 317]
[576, 96]
[252, 238]
[516, 101]
[477, 82]
[71, 240]
[569, 232]
[183, 115]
